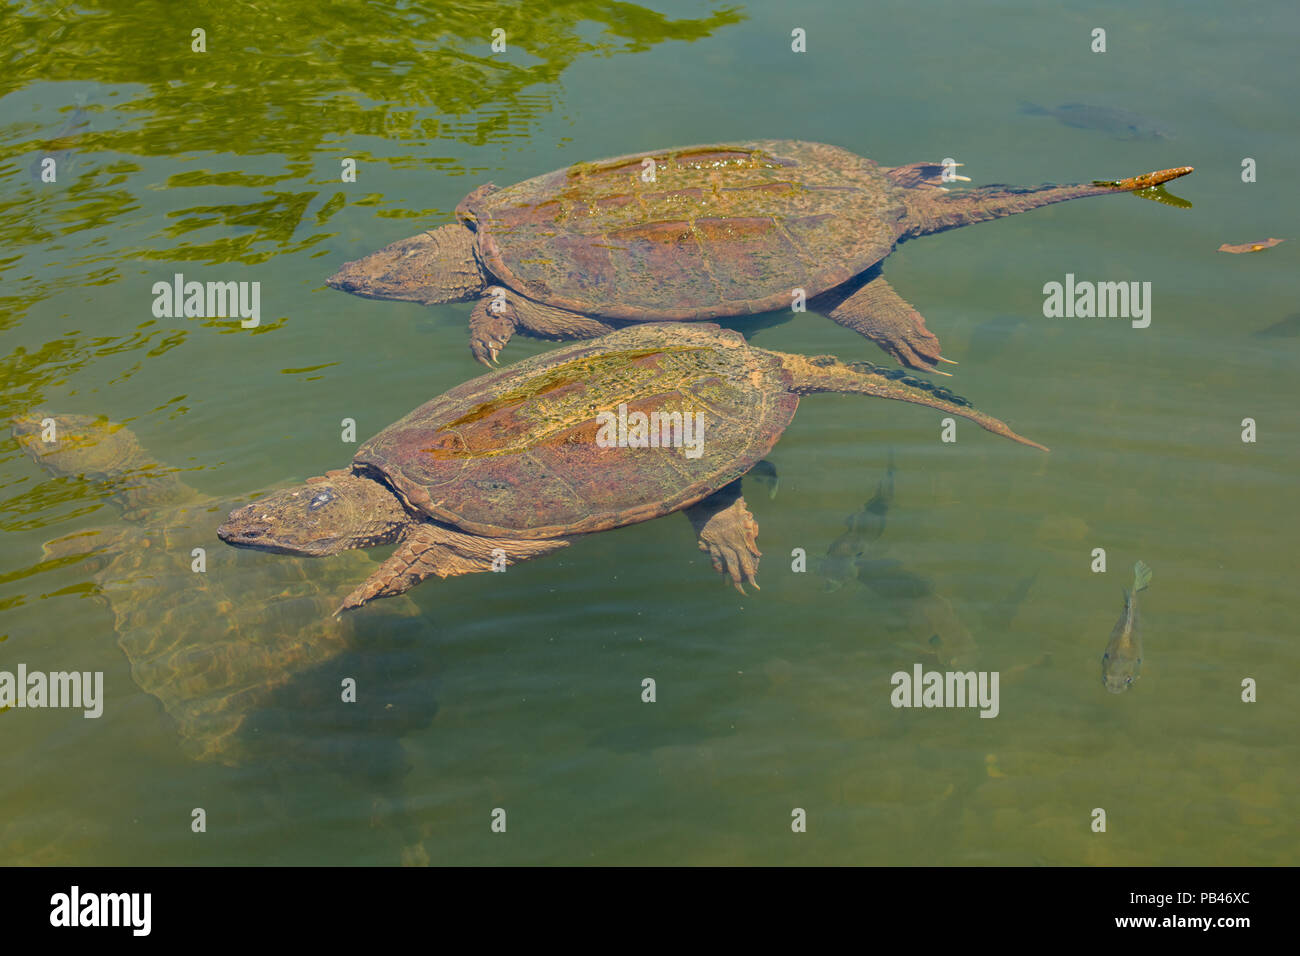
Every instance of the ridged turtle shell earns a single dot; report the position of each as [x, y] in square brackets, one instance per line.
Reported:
[514, 453]
[723, 229]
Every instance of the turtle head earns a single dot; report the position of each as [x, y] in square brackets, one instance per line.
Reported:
[434, 267]
[76, 444]
[333, 513]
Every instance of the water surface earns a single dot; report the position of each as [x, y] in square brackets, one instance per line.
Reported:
[523, 691]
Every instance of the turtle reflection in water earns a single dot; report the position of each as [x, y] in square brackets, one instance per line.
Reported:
[510, 465]
[213, 647]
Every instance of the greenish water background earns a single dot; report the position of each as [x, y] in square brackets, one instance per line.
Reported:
[523, 691]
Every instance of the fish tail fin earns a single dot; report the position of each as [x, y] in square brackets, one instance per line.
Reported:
[1032, 109]
[1141, 577]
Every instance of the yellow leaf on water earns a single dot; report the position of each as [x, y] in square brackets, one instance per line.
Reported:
[1251, 246]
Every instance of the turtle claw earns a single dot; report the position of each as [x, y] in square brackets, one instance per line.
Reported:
[490, 329]
[915, 348]
[738, 565]
[948, 360]
[486, 351]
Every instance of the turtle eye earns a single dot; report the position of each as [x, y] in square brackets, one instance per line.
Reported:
[320, 500]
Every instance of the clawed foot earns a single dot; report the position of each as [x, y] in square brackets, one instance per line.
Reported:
[731, 539]
[491, 325]
[875, 310]
[914, 346]
[486, 350]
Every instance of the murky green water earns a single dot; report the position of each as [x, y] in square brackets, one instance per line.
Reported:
[523, 692]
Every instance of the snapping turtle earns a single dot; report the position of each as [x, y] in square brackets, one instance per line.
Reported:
[213, 647]
[510, 465]
[721, 230]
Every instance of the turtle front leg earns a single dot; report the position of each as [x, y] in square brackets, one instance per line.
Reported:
[501, 312]
[729, 533]
[869, 306]
[430, 549]
[491, 324]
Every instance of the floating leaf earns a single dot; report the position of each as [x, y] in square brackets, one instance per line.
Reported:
[1250, 246]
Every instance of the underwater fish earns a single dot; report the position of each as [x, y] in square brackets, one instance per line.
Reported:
[840, 565]
[1255, 246]
[61, 154]
[1119, 123]
[1122, 663]
[1287, 327]
[951, 644]
[917, 609]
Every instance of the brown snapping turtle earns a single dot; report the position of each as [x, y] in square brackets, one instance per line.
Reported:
[637, 424]
[213, 646]
[722, 230]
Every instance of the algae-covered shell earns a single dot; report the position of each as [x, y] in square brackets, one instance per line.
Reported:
[515, 453]
[696, 232]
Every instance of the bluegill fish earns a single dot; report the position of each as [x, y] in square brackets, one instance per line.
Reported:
[1119, 123]
[1121, 665]
[840, 566]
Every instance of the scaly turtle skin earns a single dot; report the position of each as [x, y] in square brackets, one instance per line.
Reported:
[213, 647]
[509, 465]
[721, 230]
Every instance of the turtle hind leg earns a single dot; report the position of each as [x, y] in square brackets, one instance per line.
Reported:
[869, 306]
[729, 534]
[431, 549]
